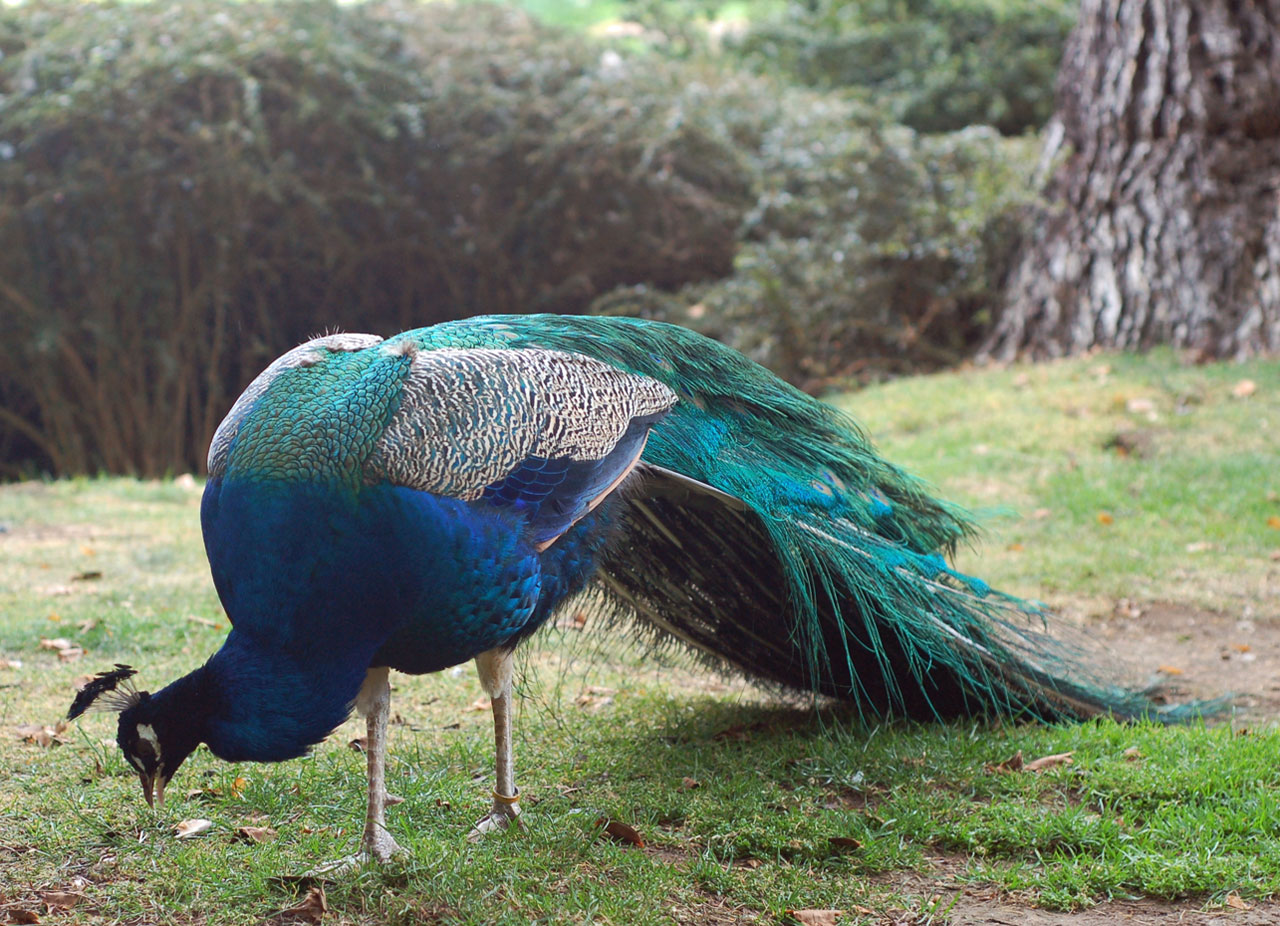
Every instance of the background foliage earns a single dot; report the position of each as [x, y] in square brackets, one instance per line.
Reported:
[189, 188]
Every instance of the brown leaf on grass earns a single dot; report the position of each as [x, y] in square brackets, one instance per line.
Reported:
[688, 784]
[594, 698]
[739, 732]
[1133, 754]
[22, 915]
[1274, 522]
[311, 909]
[238, 786]
[1106, 517]
[41, 735]
[17, 663]
[1244, 389]
[59, 900]
[1233, 900]
[66, 650]
[814, 917]
[1044, 762]
[1011, 764]
[189, 829]
[479, 704]
[575, 621]
[255, 833]
[621, 832]
[843, 844]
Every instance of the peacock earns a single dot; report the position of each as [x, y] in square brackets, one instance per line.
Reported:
[416, 502]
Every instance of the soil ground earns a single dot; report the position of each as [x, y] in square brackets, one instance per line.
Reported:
[1187, 653]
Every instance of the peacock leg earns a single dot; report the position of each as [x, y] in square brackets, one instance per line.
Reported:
[374, 702]
[495, 669]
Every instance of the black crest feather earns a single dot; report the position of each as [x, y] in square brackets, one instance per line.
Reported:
[113, 687]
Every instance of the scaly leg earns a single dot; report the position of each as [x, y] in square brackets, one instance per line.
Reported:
[495, 669]
[374, 702]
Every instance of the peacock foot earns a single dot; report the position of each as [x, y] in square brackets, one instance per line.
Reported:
[504, 815]
[378, 846]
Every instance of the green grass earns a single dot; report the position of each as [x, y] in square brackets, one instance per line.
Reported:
[1188, 813]
[1185, 515]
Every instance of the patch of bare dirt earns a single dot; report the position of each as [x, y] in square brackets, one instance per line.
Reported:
[986, 905]
[1192, 653]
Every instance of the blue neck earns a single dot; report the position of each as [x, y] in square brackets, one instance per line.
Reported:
[270, 708]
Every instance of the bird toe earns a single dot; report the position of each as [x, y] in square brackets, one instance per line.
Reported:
[497, 820]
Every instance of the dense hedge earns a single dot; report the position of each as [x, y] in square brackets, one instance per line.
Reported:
[188, 188]
[872, 250]
[936, 65]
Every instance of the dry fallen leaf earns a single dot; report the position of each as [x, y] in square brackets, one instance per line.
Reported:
[1244, 389]
[311, 909]
[17, 663]
[1011, 764]
[189, 828]
[1199, 546]
[815, 917]
[1233, 900]
[41, 734]
[1169, 670]
[688, 784]
[1133, 754]
[23, 916]
[1105, 517]
[1274, 521]
[843, 843]
[238, 786]
[479, 704]
[621, 832]
[593, 701]
[59, 900]
[55, 643]
[1044, 762]
[255, 833]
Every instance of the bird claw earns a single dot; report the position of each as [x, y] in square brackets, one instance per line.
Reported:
[381, 848]
[502, 817]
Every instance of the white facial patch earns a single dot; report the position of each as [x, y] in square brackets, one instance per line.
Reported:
[147, 733]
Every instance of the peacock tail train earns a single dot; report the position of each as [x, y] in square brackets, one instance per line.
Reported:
[763, 531]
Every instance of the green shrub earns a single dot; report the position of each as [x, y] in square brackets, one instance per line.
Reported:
[871, 250]
[936, 65]
[187, 188]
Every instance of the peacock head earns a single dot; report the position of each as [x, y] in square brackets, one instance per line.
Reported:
[155, 733]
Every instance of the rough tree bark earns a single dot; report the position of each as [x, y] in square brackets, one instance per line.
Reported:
[1164, 218]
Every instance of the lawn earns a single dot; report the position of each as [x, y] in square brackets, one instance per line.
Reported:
[1111, 487]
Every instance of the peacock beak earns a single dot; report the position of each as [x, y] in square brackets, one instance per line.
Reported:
[153, 788]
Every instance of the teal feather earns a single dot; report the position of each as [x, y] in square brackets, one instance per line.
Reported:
[871, 611]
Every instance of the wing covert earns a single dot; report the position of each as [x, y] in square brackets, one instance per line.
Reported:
[548, 433]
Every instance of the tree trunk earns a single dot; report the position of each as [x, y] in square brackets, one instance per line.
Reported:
[1164, 218]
